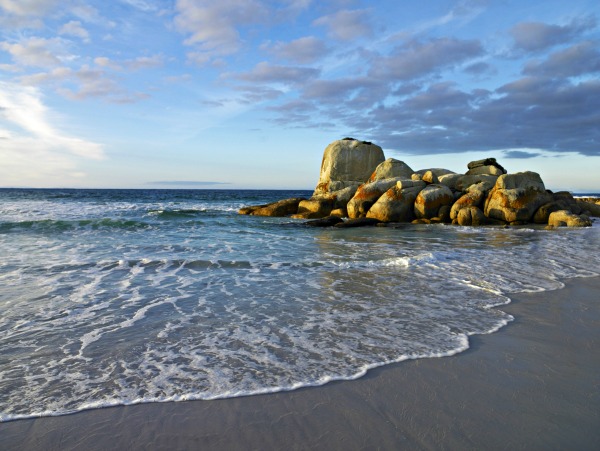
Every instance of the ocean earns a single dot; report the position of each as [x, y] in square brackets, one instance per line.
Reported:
[118, 297]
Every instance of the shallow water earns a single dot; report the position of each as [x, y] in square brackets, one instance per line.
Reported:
[111, 297]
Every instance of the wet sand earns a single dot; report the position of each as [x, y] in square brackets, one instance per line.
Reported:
[533, 385]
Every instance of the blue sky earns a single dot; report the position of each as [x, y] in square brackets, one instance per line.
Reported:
[248, 93]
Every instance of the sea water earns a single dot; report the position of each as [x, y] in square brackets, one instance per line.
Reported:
[116, 297]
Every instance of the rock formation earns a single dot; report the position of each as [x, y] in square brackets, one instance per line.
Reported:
[356, 181]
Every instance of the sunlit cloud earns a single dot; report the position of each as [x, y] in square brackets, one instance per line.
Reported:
[32, 146]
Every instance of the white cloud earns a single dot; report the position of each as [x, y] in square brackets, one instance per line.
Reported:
[57, 75]
[33, 148]
[92, 83]
[74, 28]
[37, 52]
[87, 13]
[214, 29]
[103, 61]
[98, 81]
[212, 26]
[145, 62]
[27, 7]
[141, 62]
[142, 5]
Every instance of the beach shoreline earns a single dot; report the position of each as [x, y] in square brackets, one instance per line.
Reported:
[534, 384]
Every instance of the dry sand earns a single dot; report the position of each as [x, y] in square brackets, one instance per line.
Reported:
[534, 385]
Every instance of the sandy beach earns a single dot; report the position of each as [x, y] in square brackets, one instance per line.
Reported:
[533, 385]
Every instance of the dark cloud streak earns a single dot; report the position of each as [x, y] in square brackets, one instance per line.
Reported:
[416, 58]
[520, 154]
[580, 59]
[537, 36]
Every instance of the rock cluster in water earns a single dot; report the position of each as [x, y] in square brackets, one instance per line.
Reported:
[358, 183]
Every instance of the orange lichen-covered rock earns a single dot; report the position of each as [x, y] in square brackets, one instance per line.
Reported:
[474, 198]
[395, 205]
[366, 195]
[516, 197]
[431, 199]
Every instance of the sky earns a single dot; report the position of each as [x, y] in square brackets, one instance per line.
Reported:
[248, 93]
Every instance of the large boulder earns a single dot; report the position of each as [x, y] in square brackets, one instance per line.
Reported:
[280, 208]
[347, 162]
[430, 199]
[516, 197]
[396, 204]
[474, 198]
[564, 218]
[366, 195]
[391, 168]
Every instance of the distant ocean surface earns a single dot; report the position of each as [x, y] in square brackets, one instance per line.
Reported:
[115, 297]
